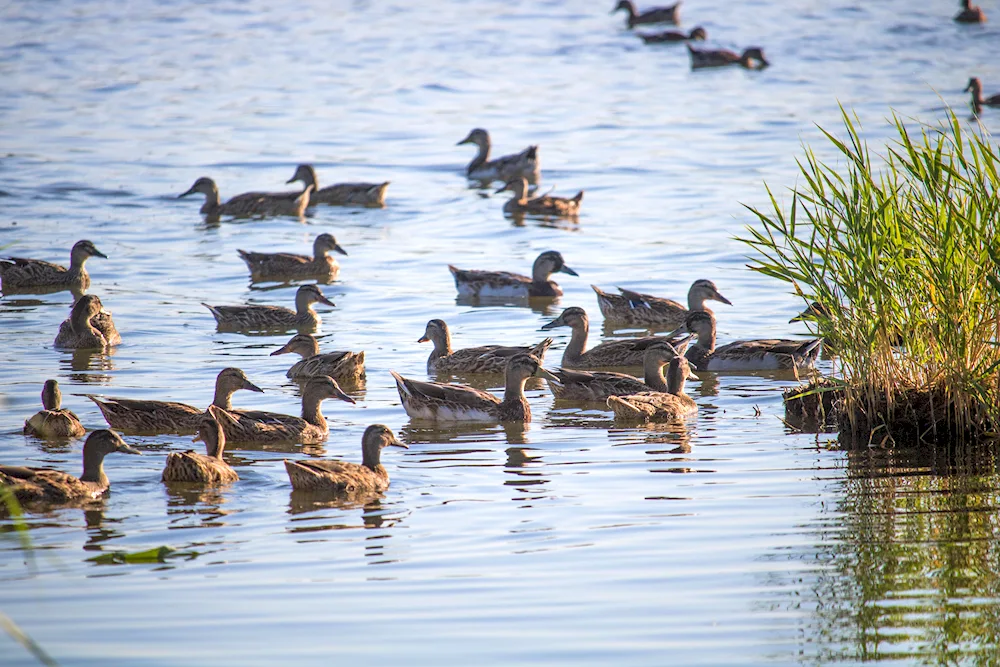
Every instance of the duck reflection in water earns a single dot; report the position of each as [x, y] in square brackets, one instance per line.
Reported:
[526, 473]
[479, 437]
[80, 365]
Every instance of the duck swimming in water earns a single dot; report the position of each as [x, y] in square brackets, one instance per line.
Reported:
[53, 421]
[341, 366]
[674, 36]
[89, 327]
[250, 204]
[597, 386]
[978, 101]
[659, 406]
[371, 195]
[668, 14]
[637, 309]
[752, 58]
[19, 273]
[970, 13]
[473, 283]
[745, 355]
[628, 352]
[520, 204]
[483, 359]
[209, 468]
[285, 265]
[256, 317]
[520, 165]
[342, 477]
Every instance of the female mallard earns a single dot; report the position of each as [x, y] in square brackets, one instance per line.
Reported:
[519, 204]
[45, 485]
[628, 352]
[273, 317]
[597, 386]
[637, 309]
[669, 14]
[745, 355]
[79, 331]
[190, 466]
[970, 13]
[341, 194]
[457, 402]
[675, 36]
[483, 359]
[473, 283]
[261, 426]
[250, 204]
[285, 265]
[53, 421]
[341, 366]
[657, 405]
[20, 273]
[341, 477]
[482, 168]
[142, 416]
[978, 101]
[721, 57]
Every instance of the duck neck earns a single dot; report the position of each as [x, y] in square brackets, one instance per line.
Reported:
[706, 337]
[51, 397]
[311, 410]
[319, 252]
[515, 406]
[309, 178]
[223, 395]
[77, 259]
[215, 445]
[482, 156]
[371, 456]
[79, 321]
[696, 300]
[93, 467]
[676, 377]
[442, 344]
[212, 201]
[308, 352]
[303, 305]
[577, 342]
[653, 374]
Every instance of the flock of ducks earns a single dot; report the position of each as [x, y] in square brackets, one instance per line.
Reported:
[667, 360]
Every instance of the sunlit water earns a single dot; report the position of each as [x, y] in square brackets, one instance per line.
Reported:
[728, 540]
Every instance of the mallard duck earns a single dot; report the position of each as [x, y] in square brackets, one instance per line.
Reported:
[702, 58]
[79, 331]
[544, 205]
[629, 352]
[745, 355]
[262, 426]
[45, 485]
[674, 36]
[473, 283]
[457, 402]
[53, 421]
[970, 13]
[273, 317]
[287, 265]
[341, 194]
[597, 386]
[639, 309]
[341, 366]
[657, 405]
[524, 164]
[669, 14]
[978, 101]
[250, 204]
[190, 466]
[20, 273]
[143, 416]
[483, 359]
[341, 477]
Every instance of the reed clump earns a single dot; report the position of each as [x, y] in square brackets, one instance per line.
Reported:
[900, 253]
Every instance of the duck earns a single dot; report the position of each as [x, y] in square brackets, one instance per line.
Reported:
[524, 164]
[970, 13]
[250, 204]
[53, 421]
[745, 355]
[342, 477]
[255, 317]
[81, 331]
[578, 385]
[287, 265]
[752, 57]
[21, 273]
[45, 485]
[149, 416]
[190, 466]
[483, 359]
[629, 352]
[263, 427]
[545, 205]
[637, 309]
[456, 402]
[658, 406]
[978, 101]
[341, 366]
[668, 14]
[674, 36]
[371, 195]
[476, 284]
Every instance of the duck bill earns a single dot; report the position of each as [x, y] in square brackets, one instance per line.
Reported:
[467, 140]
[98, 253]
[545, 375]
[423, 339]
[554, 324]
[191, 191]
[682, 329]
[323, 299]
[566, 269]
[396, 442]
[692, 376]
[721, 299]
[252, 387]
[505, 188]
[341, 394]
[127, 449]
[282, 350]
[337, 248]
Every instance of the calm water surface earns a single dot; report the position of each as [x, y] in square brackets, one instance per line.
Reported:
[727, 540]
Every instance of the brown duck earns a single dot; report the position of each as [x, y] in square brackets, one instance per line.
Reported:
[674, 36]
[89, 326]
[476, 284]
[658, 406]
[597, 386]
[286, 265]
[209, 468]
[520, 204]
[53, 421]
[751, 58]
[250, 204]
[629, 352]
[256, 317]
[20, 273]
[341, 477]
[341, 194]
[668, 14]
[341, 366]
[978, 101]
[970, 13]
[483, 359]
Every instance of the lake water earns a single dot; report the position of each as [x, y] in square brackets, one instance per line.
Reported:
[727, 540]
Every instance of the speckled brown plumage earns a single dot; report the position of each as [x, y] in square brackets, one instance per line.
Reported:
[79, 331]
[249, 204]
[613, 353]
[521, 204]
[285, 265]
[597, 386]
[483, 359]
[371, 195]
[518, 165]
[53, 421]
[658, 405]
[745, 355]
[638, 309]
[255, 317]
[342, 477]
[209, 468]
[21, 273]
[473, 283]
[341, 366]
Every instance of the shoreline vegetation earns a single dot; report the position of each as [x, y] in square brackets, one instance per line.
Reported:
[899, 255]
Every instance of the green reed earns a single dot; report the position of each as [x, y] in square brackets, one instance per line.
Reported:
[901, 251]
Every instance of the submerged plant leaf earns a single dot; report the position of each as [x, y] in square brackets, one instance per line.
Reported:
[155, 555]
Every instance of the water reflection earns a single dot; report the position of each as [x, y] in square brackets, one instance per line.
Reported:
[85, 366]
[547, 307]
[527, 473]
[100, 530]
[910, 565]
[422, 432]
[191, 505]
